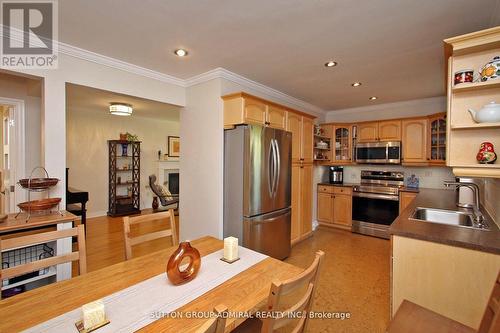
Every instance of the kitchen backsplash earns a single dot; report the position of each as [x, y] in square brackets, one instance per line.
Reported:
[492, 198]
[430, 177]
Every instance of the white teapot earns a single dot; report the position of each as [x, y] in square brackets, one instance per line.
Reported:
[490, 113]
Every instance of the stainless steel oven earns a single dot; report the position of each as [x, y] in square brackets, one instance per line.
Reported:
[375, 203]
[379, 152]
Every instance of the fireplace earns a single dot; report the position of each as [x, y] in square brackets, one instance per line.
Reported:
[173, 182]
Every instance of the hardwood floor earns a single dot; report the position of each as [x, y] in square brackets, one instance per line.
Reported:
[355, 276]
[105, 244]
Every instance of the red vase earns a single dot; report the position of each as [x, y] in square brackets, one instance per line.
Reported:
[174, 274]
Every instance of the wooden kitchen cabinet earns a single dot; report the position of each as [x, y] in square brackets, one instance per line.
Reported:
[241, 108]
[302, 178]
[276, 117]
[302, 137]
[453, 281]
[389, 130]
[414, 141]
[405, 198]
[334, 206]
[367, 132]
[325, 207]
[436, 144]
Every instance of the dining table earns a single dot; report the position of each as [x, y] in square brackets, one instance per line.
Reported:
[245, 292]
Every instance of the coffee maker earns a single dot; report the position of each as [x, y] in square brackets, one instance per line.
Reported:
[336, 174]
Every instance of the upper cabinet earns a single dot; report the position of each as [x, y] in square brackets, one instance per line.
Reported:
[367, 132]
[302, 137]
[387, 130]
[342, 144]
[241, 108]
[472, 52]
[437, 139]
[414, 141]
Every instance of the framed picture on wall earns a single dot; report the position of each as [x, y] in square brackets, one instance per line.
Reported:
[174, 146]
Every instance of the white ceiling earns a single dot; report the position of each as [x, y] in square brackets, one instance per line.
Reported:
[87, 99]
[393, 47]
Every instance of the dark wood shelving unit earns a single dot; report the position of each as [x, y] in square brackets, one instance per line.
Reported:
[124, 204]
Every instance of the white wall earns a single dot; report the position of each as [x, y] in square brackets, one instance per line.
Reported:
[87, 151]
[413, 108]
[201, 162]
[88, 73]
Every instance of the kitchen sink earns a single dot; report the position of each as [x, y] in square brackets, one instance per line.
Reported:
[451, 217]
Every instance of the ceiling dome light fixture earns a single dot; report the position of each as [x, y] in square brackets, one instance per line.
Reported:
[181, 52]
[120, 109]
[373, 98]
[356, 84]
[331, 63]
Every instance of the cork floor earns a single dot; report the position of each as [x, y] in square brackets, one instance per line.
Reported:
[354, 279]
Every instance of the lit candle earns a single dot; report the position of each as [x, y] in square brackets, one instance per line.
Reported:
[231, 248]
[93, 314]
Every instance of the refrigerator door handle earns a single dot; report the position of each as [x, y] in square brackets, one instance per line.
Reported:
[270, 169]
[277, 165]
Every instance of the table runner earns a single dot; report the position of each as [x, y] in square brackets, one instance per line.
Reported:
[131, 309]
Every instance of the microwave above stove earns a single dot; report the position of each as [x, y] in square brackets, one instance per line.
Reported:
[378, 152]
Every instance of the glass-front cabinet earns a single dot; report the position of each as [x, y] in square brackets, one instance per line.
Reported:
[342, 149]
[437, 137]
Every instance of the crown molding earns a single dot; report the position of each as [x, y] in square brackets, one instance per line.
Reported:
[100, 59]
[222, 73]
[217, 73]
[388, 106]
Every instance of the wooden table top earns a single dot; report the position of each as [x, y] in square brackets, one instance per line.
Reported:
[246, 291]
[19, 224]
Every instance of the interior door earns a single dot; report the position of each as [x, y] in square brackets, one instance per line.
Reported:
[283, 151]
[258, 172]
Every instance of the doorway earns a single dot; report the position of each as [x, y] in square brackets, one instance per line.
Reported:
[12, 160]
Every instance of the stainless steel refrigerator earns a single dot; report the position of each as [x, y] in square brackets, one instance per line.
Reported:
[257, 186]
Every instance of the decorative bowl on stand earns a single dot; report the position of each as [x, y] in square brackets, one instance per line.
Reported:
[39, 205]
[38, 183]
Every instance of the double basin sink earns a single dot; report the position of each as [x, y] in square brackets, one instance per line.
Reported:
[450, 217]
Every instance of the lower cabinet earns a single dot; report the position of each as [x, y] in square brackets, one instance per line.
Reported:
[405, 198]
[334, 206]
[302, 178]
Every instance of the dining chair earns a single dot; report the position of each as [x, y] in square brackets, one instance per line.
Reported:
[131, 241]
[40, 238]
[413, 318]
[217, 324]
[309, 279]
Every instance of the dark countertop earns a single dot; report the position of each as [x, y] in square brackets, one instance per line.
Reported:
[486, 241]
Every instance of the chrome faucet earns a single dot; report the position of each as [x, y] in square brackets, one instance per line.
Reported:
[478, 216]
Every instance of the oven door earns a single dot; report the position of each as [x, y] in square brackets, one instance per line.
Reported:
[375, 208]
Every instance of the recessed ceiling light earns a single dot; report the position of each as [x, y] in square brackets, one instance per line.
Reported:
[331, 64]
[356, 84]
[181, 52]
[373, 98]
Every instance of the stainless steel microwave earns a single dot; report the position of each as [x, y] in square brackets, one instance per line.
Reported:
[379, 152]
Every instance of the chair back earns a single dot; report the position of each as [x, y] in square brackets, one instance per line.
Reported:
[131, 241]
[217, 324]
[309, 278]
[35, 239]
[491, 318]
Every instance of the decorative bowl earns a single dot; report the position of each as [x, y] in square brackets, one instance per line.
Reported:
[39, 205]
[38, 183]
